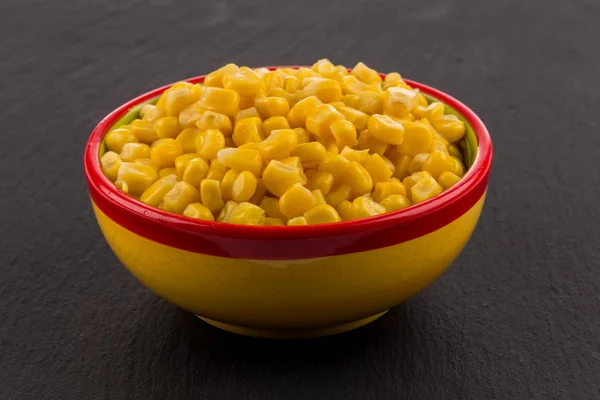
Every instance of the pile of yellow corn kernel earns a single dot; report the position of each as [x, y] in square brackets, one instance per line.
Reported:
[287, 147]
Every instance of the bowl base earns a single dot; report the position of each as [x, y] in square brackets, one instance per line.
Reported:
[293, 333]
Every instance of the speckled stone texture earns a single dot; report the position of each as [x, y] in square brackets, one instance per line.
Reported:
[516, 317]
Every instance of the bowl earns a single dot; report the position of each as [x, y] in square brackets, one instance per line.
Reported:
[290, 282]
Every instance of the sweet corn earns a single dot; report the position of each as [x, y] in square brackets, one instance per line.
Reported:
[321, 214]
[134, 151]
[259, 193]
[398, 101]
[290, 97]
[385, 189]
[326, 90]
[395, 202]
[437, 145]
[309, 153]
[416, 163]
[335, 164]
[447, 179]
[279, 144]
[274, 79]
[241, 160]
[153, 196]
[358, 118]
[144, 130]
[210, 195]
[137, 177]
[181, 163]
[450, 127]
[299, 112]
[247, 214]
[320, 119]
[215, 78]
[191, 114]
[273, 222]
[245, 81]
[274, 123]
[344, 133]
[208, 145]
[117, 138]
[166, 172]
[417, 138]
[167, 127]
[385, 129]
[351, 85]
[366, 74]
[223, 101]
[226, 211]
[425, 189]
[412, 180]
[294, 161]
[346, 210]
[296, 201]
[214, 120]
[302, 135]
[402, 163]
[366, 141]
[111, 162]
[271, 207]
[459, 168]
[438, 162]
[365, 206]
[244, 187]
[216, 170]
[318, 195]
[454, 151]
[150, 113]
[163, 152]
[147, 162]
[298, 221]
[187, 139]
[279, 177]
[179, 97]
[360, 156]
[269, 107]
[367, 102]
[247, 130]
[320, 180]
[247, 113]
[377, 168]
[391, 78]
[338, 194]
[198, 211]
[227, 184]
[358, 178]
[177, 199]
[323, 66]
[195, 171]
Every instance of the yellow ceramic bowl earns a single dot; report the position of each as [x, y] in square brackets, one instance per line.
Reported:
[302, 281]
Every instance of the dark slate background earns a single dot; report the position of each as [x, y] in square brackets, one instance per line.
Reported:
[517, 317]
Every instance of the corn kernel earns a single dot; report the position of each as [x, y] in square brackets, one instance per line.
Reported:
[438, 162]
[208, 145]
[177, 199]
[177, 98]
[309, 153]
[385, 129]
[326, 90]
[247, 113]
[366, 74]
[187, 139]
[166, 172]
[259, 193]
[247, 214]
[402, 164]
[417, 138]
[298, 221]
[360, 156]
[412, 180]
[167, 127]
[223, 101]
[323, 66]
[365, 206]
[437, 145]
[241, 160]
[150, 113]
[274, 123]
[398, 101]
[137, 177]
[117, 138]
[425, 189]
[247, 130]
[351, 85]
[395, 202]
[332, 147]
[198, 211]
[318, 195]
[335, 164]
[189, 115]
[454, 151]
[450, 127]
[294, 161]
[215, 78]
[269, 107]
[302, 135]
[216, 170]
[273, 222]
[195, 171]
[366, 141]
[274, 79]
[243, 187]
[322, 181]
[391, 78]
[213, 120]
[290, 97]
[210, 195]
[147, 162]
[291, 84]
[144, 131]
[111, 162]
[245, 81]
[338, 194]
[304, 72]
[279, 177]
[181, 163]
[447, 179]
[377, 168]
[344, 133]
[416, 163]
[459, 168]
[271, 207]
[367, 102]
[358, 118]
[299, 112]
[385, 189]
[436, 135]
[134, 151]
[296, 201]
[321, 214]
[358, 178]
[164, 152]
[153, 196]
[278, 145]
[226, 211]
[346, 210]
[122, 186]
[319, 120]
[434, 111]
[419, 111]
[227, 184]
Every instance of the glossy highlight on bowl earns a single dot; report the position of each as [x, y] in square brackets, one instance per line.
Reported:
[290, 281]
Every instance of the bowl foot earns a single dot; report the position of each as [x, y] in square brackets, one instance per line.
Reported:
[293, 333]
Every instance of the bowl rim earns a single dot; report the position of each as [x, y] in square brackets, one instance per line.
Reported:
[440, 209]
